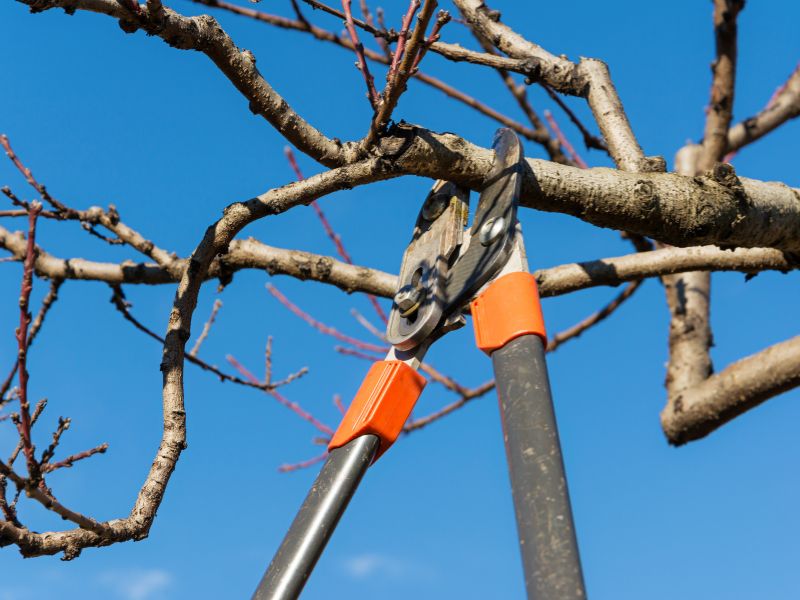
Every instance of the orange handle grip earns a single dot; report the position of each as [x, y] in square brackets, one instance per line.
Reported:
[382, 405]
[507, 309]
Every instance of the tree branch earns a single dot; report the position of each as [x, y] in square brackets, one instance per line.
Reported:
[689, 294]
[743, 385]
[590, 79]
[785, 105]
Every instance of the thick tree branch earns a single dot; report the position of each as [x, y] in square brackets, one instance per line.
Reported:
[719, 209]
[689, 302]
[743, 385]
[555, 281]
[715, 208]
[689, 294]
[568, 278]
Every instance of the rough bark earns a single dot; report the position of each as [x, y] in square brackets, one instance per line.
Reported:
[743, 385]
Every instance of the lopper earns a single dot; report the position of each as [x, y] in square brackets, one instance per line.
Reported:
[446, 271]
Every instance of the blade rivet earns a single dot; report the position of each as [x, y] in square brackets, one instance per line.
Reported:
[491, 230]
[434, 206]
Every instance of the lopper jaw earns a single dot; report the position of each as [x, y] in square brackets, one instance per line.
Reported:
[445, 266]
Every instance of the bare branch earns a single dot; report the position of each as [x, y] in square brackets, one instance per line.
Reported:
[206, 328]
[73, 458]
[689, 301]
[303, 464]
[689, 294]
[474, 393]
[405, 57]
[123, 306]
[590, 79]
[613, 271]
[743, 385]
[36, 325]
[720, 110]
[520, 94]
[555, 281]
[328, 36]
[783, 106]
[24, 423]
[594, 318]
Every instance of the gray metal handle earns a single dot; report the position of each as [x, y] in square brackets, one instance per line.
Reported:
[541, 500]
[316, 520]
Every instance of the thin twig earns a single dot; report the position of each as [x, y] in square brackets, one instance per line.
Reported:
[397, 84]
[268, 361]
[337, 402]
[364, 322]
[36, 325]
[206, 328]
[474, 393]
[372, 93]
[123, 306]
[590, 140]
[22, 341]
[28, 175]
[293, 406]
[442, 19]
[322, 327]
[402, 36]
[304, 464]
[576, 158]
[594, 318]
[72, 459]
[329, 231]
[63, 425]
[356, 353]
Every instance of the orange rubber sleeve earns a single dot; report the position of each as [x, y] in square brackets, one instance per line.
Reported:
[382, 405]
[507, 309]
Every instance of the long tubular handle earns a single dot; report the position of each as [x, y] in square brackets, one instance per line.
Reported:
[541, 500]
[318, 517]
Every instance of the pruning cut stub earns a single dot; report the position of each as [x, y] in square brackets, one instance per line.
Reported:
[382, 405]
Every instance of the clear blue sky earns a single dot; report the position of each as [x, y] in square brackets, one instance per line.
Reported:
[104, 117]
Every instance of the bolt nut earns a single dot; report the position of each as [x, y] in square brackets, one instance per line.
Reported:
[408, 300]
[491, 230]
